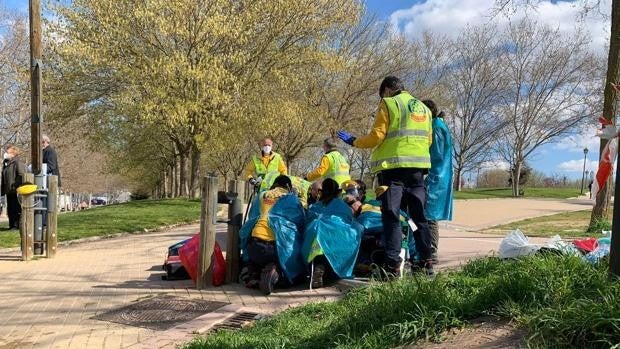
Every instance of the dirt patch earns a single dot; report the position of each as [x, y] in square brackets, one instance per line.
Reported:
[482, 334]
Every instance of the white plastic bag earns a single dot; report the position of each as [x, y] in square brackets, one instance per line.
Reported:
[564, 247]
[515, 244]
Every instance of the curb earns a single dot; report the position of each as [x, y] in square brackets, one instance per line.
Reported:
[111, 236]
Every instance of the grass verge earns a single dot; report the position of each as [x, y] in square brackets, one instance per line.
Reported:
[566, 224]
[122, 218]
[490, 193]
[563, 302]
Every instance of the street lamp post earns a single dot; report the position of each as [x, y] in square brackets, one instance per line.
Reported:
[583, 175]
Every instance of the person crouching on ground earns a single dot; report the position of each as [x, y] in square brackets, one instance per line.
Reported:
[271, 238]
[332, 236]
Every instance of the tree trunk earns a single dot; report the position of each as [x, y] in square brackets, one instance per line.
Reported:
[458, 174]
[516, 177]
[182, 174]
[195, 172]
[601, 207]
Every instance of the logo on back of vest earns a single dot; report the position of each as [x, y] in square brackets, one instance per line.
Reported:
[415, 115]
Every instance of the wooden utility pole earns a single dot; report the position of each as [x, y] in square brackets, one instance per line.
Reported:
[35, 86]
[207, 232]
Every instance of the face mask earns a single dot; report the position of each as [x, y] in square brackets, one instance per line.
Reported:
[267, 149]
[7, 156]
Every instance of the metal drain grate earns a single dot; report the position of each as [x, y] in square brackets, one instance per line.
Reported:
[236, 322]
[160, 313]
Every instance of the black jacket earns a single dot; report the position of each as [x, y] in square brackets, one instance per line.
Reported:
[50, 157]
[12, 175]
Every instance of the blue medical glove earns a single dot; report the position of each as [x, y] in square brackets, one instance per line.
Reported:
[346, 137]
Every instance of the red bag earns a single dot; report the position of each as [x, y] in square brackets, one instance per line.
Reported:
[188, 254]
[218, 264]
[587, 245]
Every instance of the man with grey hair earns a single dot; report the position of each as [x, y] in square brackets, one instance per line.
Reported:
[333, 164]
[50, 157]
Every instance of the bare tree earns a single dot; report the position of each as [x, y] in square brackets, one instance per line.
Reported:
[13, 79]
[550, 81]
[476, 84]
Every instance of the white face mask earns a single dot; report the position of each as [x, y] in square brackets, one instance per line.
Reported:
[267, 149]
[7, 156]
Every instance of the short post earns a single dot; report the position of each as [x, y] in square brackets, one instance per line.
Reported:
[238, 187]
[27, 221]
[235, 219]
[52, 217]
[207, 231]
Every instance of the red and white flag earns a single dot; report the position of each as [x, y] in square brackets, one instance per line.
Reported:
[605, 166]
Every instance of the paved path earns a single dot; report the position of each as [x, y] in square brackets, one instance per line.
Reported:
[50, 303]
[475, 215]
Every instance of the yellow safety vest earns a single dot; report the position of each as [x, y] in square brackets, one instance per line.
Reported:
[302, 187]
[338, 167]
[269, 173]
[407, 142]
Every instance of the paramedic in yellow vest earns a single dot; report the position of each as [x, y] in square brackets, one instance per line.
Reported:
[269, 162]
[333, 165]
[401, 137]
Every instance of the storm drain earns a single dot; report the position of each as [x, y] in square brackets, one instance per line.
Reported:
[160, 313]
[236, 322]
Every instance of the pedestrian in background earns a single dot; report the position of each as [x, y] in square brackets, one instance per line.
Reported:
[12, 178]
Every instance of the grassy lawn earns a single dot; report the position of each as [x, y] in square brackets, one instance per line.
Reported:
[562, 302]
[121, 218]
[488, 193]
[567, 224]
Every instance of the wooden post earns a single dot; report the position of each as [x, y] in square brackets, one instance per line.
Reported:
[27, 221]
[235, 218]
[35, 86]
[207, 231]
[52, 217]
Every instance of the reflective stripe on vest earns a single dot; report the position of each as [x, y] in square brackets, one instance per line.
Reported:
[407, 141]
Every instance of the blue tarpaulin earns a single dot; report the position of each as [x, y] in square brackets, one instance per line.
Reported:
[286, 219]
[332, 231]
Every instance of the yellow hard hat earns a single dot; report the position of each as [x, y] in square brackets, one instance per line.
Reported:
[27, 189]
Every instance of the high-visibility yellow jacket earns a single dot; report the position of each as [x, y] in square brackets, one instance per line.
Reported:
[402, 134]
[333, 165]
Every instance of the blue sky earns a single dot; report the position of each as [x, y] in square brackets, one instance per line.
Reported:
[564, 157]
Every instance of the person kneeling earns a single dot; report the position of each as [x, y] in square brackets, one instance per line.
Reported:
[332, 237]
[271, 238]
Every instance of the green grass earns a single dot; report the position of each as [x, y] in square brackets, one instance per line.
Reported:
[566, 224]
[489, 193]
[562, 302]
[107, 220]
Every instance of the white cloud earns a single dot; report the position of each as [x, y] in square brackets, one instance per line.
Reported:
[576, 142]
[449, 17]
[495, 165]
[577, 165]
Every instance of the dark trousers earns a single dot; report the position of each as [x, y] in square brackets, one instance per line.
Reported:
[13, 210]
[261, 253]
[433, 226]
[405, 192]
